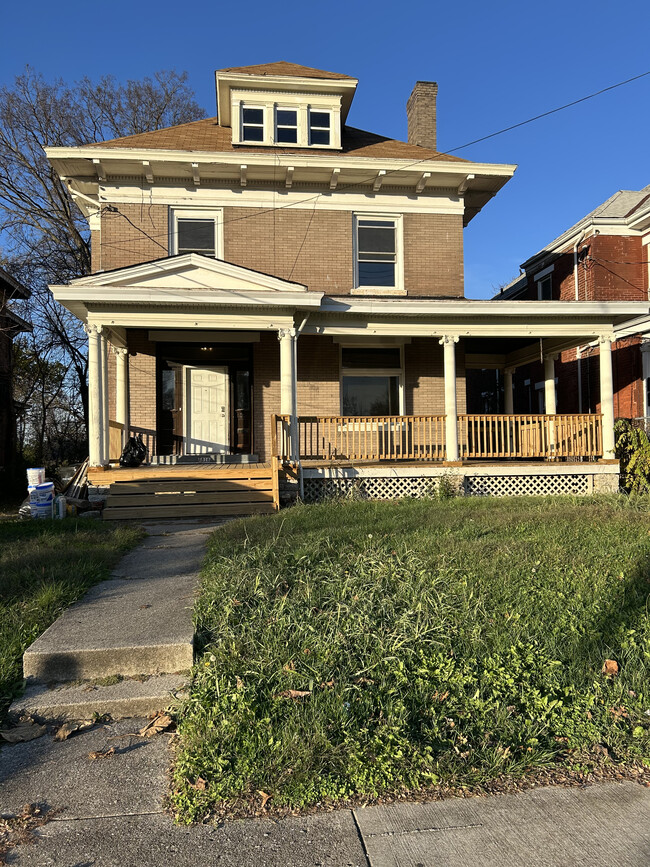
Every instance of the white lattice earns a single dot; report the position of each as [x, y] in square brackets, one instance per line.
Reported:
[369, 488]
[527, 486]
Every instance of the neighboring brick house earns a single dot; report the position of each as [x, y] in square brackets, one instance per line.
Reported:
[603, 257]
[274, 260]
[10, 325]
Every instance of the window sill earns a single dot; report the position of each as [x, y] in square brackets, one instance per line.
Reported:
[377, 290]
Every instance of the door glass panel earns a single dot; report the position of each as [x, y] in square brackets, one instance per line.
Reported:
[168, 390]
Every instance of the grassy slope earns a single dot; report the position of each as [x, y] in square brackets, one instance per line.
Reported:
[45, 566]
[440, 641]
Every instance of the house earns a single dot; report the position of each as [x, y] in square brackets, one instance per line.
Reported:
[277, 298]
[10, 325]
[605, 256]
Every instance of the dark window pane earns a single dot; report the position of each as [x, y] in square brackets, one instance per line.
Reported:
[546, 289]
[253, 115]
[376, 274]
[370, 395]
[196, 236]
[320, 136]
[376, 239]
[253, 133]
[371, 356]
[319, 118]
[284, 117]
[168, 390]
[286, 134]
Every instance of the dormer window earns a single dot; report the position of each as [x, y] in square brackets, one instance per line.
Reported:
[319, 127]
[252, 120]
[286, 126]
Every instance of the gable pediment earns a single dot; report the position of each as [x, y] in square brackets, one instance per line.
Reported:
[191, 271]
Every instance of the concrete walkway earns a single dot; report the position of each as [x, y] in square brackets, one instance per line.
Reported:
[109, 811]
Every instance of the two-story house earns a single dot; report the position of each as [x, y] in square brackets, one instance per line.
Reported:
[605, 256]
[278, 287]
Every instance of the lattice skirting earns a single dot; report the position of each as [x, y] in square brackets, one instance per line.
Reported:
[531, 486]
[369, 488]
[392, 488]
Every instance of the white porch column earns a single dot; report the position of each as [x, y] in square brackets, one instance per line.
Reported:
[607, 396]
[288, 389]
[507, 390]
[122, 390]
[448, 342]
[104, 406]
[549, 384]
[94, 395]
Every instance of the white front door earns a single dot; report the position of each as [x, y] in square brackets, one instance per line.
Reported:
[206, 410]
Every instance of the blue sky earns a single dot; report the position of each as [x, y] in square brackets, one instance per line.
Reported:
[495, 64]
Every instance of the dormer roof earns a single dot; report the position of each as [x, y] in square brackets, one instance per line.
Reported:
[283, 67]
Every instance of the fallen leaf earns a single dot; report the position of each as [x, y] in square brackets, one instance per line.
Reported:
[70, 728]
[101, 754]
[240, 682]
[327, 684]
[265, 797]
[619, 713]
[610, 668]
[289, 666]
[200, 785]
[293, 693]
[26, 730]
[160, 723]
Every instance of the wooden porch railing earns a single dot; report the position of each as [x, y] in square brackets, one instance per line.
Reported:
[530, 436]
[422, 438]
[364, 438]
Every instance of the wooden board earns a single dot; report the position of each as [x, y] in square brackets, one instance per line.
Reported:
[202, 471]
[189, 511]
[183, 500]
[165, 485]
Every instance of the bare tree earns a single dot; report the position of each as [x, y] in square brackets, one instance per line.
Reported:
[44, 236]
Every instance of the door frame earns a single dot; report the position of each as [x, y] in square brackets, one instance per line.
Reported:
[216, 368]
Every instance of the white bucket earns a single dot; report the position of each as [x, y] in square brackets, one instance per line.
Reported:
[35, 475]
[41, 500]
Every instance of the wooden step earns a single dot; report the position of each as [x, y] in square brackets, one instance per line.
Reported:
[128, 513]
[188, 498]
[159, 486]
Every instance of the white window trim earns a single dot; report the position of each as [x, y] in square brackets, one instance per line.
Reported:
[196, 214]
[296, 110]
[310, 126]
[264, 124]
[399, 288]
[372, 371]
[301, 103]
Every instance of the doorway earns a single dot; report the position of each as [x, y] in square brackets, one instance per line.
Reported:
[206, 411]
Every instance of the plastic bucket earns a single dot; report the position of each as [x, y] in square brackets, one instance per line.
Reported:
[35, 476]
[41, 500]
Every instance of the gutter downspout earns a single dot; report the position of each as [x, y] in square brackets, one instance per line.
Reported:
[575, 287]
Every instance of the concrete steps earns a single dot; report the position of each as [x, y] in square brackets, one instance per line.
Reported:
[127, 698]
[136, 627]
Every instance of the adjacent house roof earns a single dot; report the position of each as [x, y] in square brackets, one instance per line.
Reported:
[10, 287]
[282, 67]
[207, 135]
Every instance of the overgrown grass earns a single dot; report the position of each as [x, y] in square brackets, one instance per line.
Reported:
[44, 567]
[441, 641]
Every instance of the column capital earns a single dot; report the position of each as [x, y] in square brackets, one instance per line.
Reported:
[551, 356]
[92, 328]
[119, 350]
[283, 333]
[605, 338]
[448, 338]
[509, 370]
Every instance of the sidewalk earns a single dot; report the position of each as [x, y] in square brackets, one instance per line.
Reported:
[109, 811]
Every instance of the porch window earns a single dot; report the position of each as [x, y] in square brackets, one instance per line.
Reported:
[377, 253]
[371, 381]
[197, 231]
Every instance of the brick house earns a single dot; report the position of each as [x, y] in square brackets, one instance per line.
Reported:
[604, 257]
[10, 325]
[275, 285]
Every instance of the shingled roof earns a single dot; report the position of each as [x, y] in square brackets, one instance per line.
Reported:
[207, 135]
[282, 67]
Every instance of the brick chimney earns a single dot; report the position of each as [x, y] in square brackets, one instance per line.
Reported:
[421, 114]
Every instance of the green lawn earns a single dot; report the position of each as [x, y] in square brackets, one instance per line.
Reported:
[433, 641]
[44, 567]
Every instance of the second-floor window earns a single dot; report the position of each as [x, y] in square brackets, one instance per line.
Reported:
[319, 127]
[196, 232]
[252, 121]
[377, 244]
[286, 125]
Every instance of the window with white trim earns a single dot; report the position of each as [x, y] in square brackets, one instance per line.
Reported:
[196, 231]
[252, 123]
[378, 262]
[371, 380]
[320, 123]
[286, 125]
[545, 289]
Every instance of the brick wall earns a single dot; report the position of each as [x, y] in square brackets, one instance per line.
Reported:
[138, 233]
[266, 391]
[433, 254]
[424, 382]
[142, 385]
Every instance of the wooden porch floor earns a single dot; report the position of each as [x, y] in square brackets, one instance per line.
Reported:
[147, 472]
